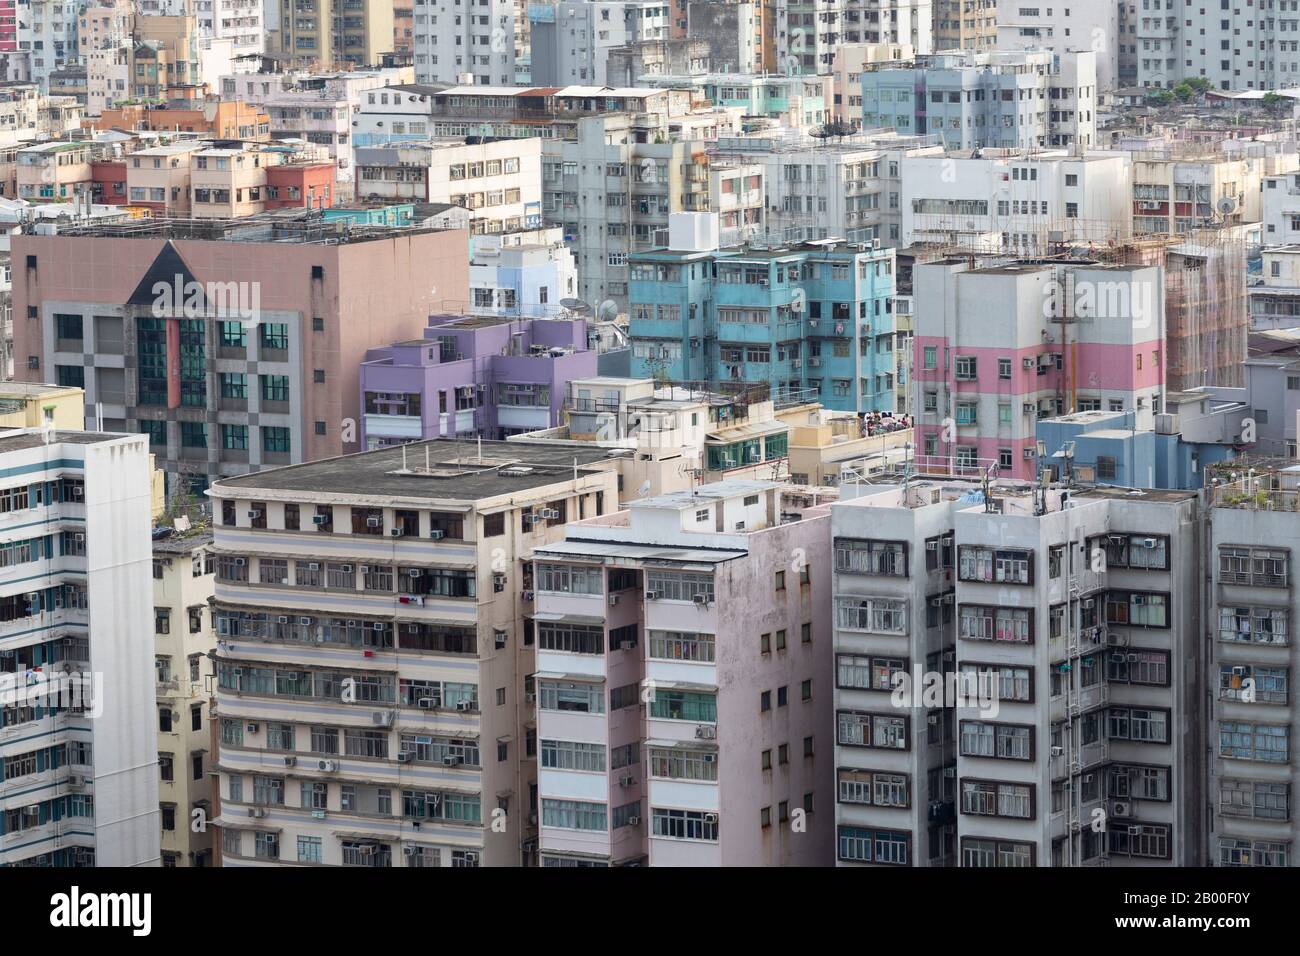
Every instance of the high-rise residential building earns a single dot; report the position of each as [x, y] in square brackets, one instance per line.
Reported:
[570, 40]
[846, 72]
[239, 21]
[77, 721]
[736, 33]
[1019, 99]
[813, 319]
[1063, 29]
[683, 686]
[317, 34]
[806, 40]
[245, 336]
[376, 651]
[483, 46]
[183, 573]
[491, 375]
[996, 347]
[1232, 46]
[1253, 528]
[965, 25]
[1016, 676]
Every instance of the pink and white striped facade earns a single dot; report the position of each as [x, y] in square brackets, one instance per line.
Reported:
[996, 348]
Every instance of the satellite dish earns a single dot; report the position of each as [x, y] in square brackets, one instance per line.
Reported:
[607, 311]
[1226, 206]
[644, 489]
[575, 305]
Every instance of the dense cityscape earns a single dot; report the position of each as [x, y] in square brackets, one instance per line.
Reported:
[654, 433]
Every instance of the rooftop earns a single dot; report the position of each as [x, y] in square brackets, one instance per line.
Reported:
[458, 471]
[294, 226]
[22, 438]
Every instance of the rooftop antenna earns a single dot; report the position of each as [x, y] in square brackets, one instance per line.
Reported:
[480, 449]
[427, 466]
[575, 467]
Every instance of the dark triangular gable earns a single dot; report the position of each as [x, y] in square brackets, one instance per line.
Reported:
[166, 267]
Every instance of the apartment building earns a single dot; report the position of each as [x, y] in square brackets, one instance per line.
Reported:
[1280, 201]
[260, 368]
[814, 318]
[1046, 712]
[846, 74]
[676, 726]
[996, 347]
[376, 650]
[1234, 47]
[1016, 99]
[43, 38]
[795, 102]
[316, 107]
[738, 34]
[1175, 195]
[491, 376]
[318, 35]
[1252, 532]
[965, 25]
[158, 177]
[241, 22]
[489, 42]
[1273, 298]
[806, 40]
[24, 405]
[500, 182]
[526, 273]
[570, 41]
[77, 739]
[183, 585]
[218, 119]
[614, 186]
[1016, 201]
[54, 171]
[842, 188]
[1062, 29]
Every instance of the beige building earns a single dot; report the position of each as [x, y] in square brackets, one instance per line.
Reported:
[965, 25]
[158, 178]
[228, 183]
[825, 445]
[53, 172]
[355, 32]
[183, 585]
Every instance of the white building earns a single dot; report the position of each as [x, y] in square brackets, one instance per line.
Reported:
[485, 42]
[1235, 47]
[1069, 616]
[1281, 209]
[240, 21]
[500, 181]
[806, 42]
[45, 33]
[1062, 28]
[80, 783]
[683, 689]
[1002, 199]
[527, 273]
[1017, 99]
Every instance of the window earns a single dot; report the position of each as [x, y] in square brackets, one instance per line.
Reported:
[1258, 625]
[964, 368]
[1243, 740]
[862, 845]
[879, 615]
[1260, 567]
[869, 673]
[1005, 624]
[570, 579]
[997, 681]
[681, 646]
[675, 764]
[874, 788]
[569, 755]
[1005, 566]
[978, 852]
[856, 729]
[1138, 724]
[569, 696]
[995, 799]
[574, 815]
[997, 741]
[684, 824]
[865, 556]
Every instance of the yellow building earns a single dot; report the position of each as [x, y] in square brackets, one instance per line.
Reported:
[31, 405]
[352, 32]
[826, 444]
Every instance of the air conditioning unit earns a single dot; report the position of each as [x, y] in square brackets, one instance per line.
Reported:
[318, 519]
[549, 514]
[252, 728]
[613, 600]
[1029, 408]
[1149, 542]
[950, 772]
[652, 595]
[382, 718]
[1058, 751]
[290, 760]
[706, 732]
[702, 599]
[328, 766]
[369, 849]
[452, 761]
[1120, 808]
[932, 720]
[709, 758]
[32, 811]
[634, 821]
[282, 619]
[409, 850]
[471, 857]
[626, 780]
[405, 756]
[374, 522]
[1029, 453]
[313, 565]
[76, 782]
[255, 514]
[530, 698]
[1027, 364]
[710, 818]
[437, 535]
[256, 812]
[815, 361]
[466, 705]
[395, 532]
[426, 703]
[240, 562]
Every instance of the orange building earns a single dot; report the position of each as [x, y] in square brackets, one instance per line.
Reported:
[218, 119]
[108, 181]
[293, 184]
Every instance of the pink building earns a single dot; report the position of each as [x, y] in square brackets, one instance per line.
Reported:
[684, 683]
[997, 348]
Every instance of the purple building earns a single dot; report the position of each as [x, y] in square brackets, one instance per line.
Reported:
[490, 376]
